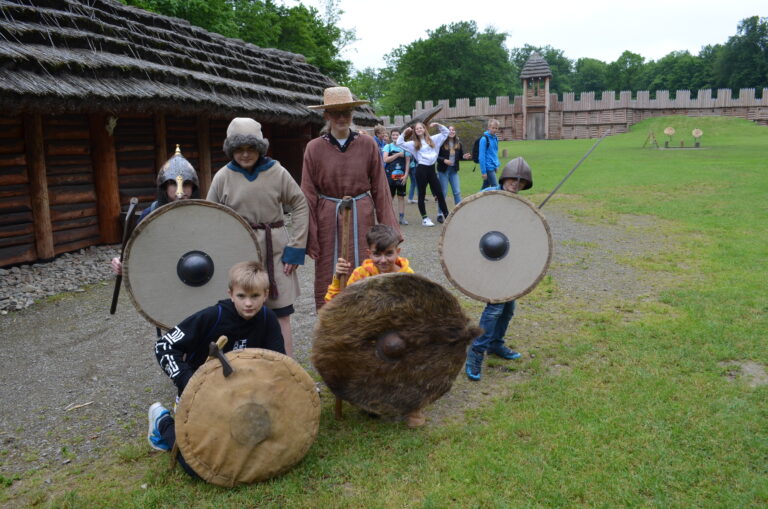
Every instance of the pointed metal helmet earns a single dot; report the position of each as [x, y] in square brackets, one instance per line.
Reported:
[517, 168]
[177, 165]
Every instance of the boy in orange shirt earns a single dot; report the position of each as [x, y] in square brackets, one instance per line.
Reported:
[384, 258]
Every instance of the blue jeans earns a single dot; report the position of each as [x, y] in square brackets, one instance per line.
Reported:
[494, 321]
[491, 180]
[450, 175]
[412, 178]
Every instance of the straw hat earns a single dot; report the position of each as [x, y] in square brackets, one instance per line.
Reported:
[337, 98]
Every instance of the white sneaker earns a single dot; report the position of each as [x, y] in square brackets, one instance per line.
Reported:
[427, 222]
[412, 201]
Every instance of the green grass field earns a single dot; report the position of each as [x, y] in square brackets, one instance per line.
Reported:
[644, 416]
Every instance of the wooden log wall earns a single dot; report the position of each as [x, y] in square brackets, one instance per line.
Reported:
[71, 189]
[136, 159]
[65, 178]
[588, 116]
[17, 235]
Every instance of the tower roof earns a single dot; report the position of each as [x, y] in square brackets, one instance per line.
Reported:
[535, 67]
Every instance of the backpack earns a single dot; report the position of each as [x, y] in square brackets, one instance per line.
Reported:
[476, 149]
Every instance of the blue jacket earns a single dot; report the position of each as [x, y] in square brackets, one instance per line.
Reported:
[489, 153]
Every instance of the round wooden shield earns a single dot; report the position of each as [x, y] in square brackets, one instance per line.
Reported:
[252, 425]
[178, 258]
[496, 246]
[391, 344]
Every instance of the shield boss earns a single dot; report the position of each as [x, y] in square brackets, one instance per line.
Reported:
[496, 246]
[252, 425]
[177, 259]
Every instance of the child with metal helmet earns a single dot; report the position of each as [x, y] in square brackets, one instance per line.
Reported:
[176, 180]
[516, 176]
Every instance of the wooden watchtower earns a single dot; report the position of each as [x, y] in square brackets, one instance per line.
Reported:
[535, 76]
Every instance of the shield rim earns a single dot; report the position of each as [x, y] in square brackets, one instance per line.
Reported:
[152, 216]
[235, 357]
[477, 196]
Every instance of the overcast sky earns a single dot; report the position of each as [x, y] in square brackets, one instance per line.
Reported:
[600, 29]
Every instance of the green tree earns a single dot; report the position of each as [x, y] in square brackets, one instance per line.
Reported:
[625, 73]
[589, 75]
[676, 71]
[370, 84]
[455, 61]
[743, 61]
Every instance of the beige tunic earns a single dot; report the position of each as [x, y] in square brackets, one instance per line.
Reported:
[261, 200]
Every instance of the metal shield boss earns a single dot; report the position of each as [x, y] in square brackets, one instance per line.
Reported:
[391, 344]
[178, 258]
[496, 246]
[249, 426]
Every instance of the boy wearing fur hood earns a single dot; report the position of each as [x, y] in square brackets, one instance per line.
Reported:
[258, 188]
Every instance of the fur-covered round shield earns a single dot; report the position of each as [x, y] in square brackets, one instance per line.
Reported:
[177, 259]
[391, 344]
[252, 425]
[496, 246]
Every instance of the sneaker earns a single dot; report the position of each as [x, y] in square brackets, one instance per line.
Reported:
[474, 365]
[427, 222]
[415, 419]
[440, 218]
[403, 221]
[504, 352]
[412, 201]
[156, 412]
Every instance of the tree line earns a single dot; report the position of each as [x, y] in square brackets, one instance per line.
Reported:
[460, 61]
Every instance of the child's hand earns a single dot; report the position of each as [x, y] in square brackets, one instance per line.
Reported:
[117, 267]
[343, 267]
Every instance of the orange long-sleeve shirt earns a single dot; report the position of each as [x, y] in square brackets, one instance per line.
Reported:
[367, 269]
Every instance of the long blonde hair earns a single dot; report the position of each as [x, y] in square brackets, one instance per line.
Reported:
[417, 140]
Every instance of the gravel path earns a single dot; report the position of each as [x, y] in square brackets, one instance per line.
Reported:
[75, 382]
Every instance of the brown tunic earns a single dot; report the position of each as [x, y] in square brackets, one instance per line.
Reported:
[261, 201]
[330, 172]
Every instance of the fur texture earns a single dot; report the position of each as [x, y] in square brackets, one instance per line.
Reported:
[356, 331]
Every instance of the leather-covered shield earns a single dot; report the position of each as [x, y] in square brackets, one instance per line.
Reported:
[391, 344]
[252, 425]
[178, 258]
[496, 246]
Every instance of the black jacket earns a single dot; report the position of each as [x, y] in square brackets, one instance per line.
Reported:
[445, 153]
[184, 348]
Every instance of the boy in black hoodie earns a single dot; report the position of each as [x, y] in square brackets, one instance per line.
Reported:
[242, 318]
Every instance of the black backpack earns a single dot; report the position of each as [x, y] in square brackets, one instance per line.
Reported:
[476, 149]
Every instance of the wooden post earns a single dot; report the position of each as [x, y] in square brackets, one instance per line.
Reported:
[525, 108]
[38, 186]
[161, 150]
[204, 153]
[546, 108]
[105, 178]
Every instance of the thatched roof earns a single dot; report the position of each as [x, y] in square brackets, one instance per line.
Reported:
[535, 67]
[101, 55]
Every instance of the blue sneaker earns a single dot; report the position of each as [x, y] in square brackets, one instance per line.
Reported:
[155, 414]
[504, 352]
[474, 365]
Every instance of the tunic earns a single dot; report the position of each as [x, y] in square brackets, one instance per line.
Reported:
[329, 171]
[259, 196]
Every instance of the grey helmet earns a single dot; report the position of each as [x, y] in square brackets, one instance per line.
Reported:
[175, 166]
[517, 168]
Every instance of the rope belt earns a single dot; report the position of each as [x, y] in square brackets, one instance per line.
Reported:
[354, 227]
[267, 227]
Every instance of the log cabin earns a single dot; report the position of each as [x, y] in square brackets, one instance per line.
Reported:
[94, 97]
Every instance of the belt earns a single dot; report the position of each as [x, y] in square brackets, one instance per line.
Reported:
[354, 227]
[267, 227]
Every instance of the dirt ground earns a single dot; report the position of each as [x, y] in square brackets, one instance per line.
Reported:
[75, 382]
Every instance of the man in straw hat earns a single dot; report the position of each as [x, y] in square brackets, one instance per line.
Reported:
[337, 164]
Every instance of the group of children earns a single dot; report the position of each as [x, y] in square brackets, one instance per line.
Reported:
[260, 297]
